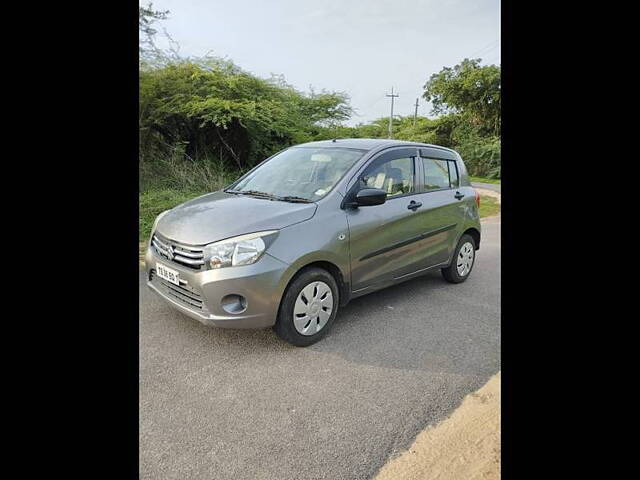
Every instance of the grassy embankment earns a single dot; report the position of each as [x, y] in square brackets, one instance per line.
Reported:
[489, 206]
[486, 180]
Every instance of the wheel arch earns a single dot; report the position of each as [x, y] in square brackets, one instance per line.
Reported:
[343, 284]
[475, 234]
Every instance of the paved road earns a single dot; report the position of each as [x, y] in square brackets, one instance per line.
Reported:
[487, 186]
[220, 404]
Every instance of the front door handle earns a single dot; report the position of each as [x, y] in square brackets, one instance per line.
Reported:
[414, 205]
[459, 195]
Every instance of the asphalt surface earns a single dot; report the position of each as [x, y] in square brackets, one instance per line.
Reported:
[242, 404]
[488, 186]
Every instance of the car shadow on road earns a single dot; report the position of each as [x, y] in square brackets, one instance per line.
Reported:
[424, 324]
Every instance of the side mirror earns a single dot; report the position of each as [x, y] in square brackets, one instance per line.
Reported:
[370, 196]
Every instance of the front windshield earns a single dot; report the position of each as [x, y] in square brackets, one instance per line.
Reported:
[302, 172]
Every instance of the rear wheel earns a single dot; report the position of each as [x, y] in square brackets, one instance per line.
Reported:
[308, 308]
[463, 259]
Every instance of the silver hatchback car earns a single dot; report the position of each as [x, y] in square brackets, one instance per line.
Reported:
[312, 227]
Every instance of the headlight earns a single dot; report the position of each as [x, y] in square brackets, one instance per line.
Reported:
[242, 250]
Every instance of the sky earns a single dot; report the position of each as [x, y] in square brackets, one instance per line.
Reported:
[361, 47]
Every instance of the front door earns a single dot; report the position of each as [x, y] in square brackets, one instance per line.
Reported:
[385, 239]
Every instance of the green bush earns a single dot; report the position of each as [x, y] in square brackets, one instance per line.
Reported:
[209, 110]
[173, 169]
[481, 156]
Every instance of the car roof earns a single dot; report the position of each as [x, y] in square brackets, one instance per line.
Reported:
[368, 143]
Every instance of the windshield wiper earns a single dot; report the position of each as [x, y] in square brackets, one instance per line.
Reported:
[294, 199]
[255, 193]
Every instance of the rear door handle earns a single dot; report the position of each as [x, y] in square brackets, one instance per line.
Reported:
[459, 195]
[414, 205]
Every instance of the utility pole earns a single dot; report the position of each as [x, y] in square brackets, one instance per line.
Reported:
[391, 116]
[415, 115]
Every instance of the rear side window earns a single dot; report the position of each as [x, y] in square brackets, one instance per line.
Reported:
[453, 175]
[439, 174]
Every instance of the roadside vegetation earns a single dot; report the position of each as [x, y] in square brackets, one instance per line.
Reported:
[204, 121]
[495, 181]
[489, 206]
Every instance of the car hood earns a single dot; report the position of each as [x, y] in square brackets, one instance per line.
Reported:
[221, 215]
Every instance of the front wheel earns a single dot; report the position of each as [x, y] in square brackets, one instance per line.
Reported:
[309, 307]
[463, 259]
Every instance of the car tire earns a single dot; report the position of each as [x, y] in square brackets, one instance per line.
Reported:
[461, 265]
[303, 324]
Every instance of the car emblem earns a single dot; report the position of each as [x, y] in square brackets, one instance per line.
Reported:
[170, 252]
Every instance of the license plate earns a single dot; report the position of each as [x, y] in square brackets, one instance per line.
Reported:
[168, 274]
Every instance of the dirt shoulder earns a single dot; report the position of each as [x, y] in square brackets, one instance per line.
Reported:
[465, 446]
[489, 193]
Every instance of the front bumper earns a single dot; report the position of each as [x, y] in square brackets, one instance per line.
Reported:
[201, 292]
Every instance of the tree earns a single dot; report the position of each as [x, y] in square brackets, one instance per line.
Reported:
[470, 90]
[207, 108]
[149, 53]
[213, 108]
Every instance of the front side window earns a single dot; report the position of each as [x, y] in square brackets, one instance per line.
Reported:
[302, 172]
[394, 176]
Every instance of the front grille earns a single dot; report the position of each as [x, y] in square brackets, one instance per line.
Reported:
[184, 293]
[191, 257]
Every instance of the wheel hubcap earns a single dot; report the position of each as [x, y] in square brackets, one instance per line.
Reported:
[465, 259]
[312, 309]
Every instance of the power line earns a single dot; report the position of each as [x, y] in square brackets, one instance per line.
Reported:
[365, 108]
[486, 52]
[483, 48]
[493, 58]
[391, 116]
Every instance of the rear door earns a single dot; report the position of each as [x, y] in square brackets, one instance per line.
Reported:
[385, 239]
[442, 208]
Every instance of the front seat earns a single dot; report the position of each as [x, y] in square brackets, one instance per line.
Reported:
[394, 183]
